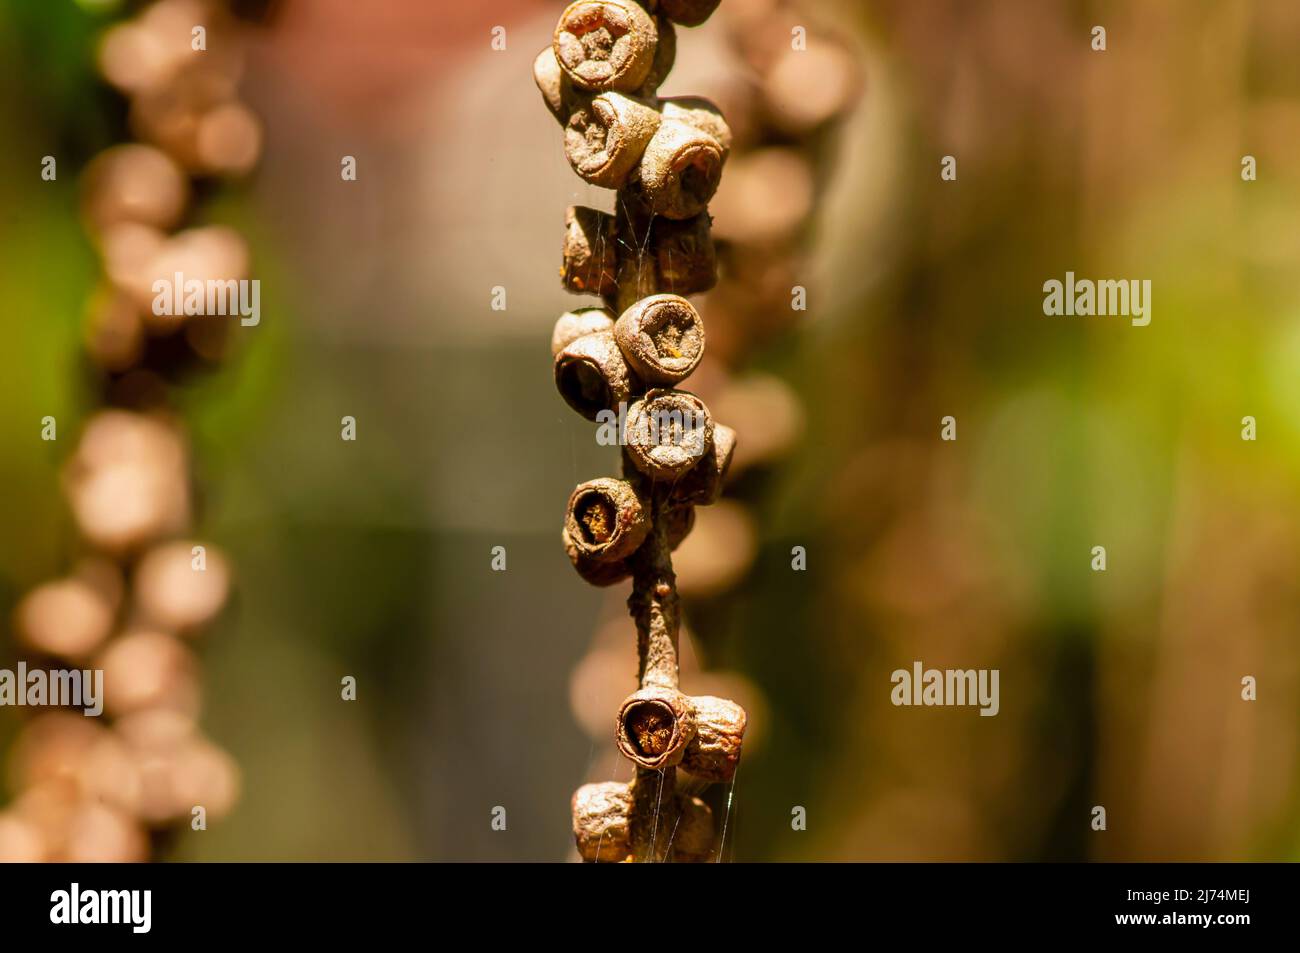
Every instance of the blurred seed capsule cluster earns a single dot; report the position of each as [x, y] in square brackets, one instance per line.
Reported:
[111, 788]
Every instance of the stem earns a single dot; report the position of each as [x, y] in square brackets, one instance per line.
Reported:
[654, 606]
[654, 603]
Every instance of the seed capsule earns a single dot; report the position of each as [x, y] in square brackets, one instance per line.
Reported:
[606, 520]
[605, 44]
[604, 141]
[684, 256]
[702, 483]
[654, 727]
[688, 12]
[590, 251]
[71, 617]
[557, 89]
[714, 751]
[133, 183]
[174, 595]
[662, 338]
[602, 822]
[702, 114]
[592, 375]
[128, 481]
[693, 840]
[680, 170]
[668, 432]
[593, 571]
[575, 324]
[147, 669]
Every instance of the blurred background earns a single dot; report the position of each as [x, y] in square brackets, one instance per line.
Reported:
[477, 689]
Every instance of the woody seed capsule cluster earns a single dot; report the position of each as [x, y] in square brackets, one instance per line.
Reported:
[622, 363]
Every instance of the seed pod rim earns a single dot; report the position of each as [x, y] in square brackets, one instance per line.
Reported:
[638, 345]
[676, 145]
[641, 458]
[599, 352]
[629, 125]
[631, 522]
[638, 53]
[678, 705]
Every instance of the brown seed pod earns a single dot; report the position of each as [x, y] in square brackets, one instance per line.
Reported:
[71, 617]
[805, 89]
[604, 140]
[20, 840]
[702, 114]
[577, 323]
[683, 253]
[662, 338]
[606, 519]
[557, 89]
[667, 433]
[592, 375]
[147, 669]
[590, 251]
[128, 481]
[605, 44]
[593, 571]
[133, 183]
[680, 170]
[654, 727]
[681, 520]
[688, 12]
[702, 483]
[714, 752]
[665, 56]
[693, 840]
[99, 833]
[173, 594]
[602, 815]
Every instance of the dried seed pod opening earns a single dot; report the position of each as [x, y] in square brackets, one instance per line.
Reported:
[693, 842]
[602, 816]
[592, 375]
[606, 519]
[667, 433]
[590, 251]
[557, 89]
[654, 727]
[662, 338]
[594, 571]
[605, 44]
[714, 752]
[702, 114]
[604, 141]
[680, 170]
[688, 12]
[684, 255]
[578, 323]
[702, 484]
